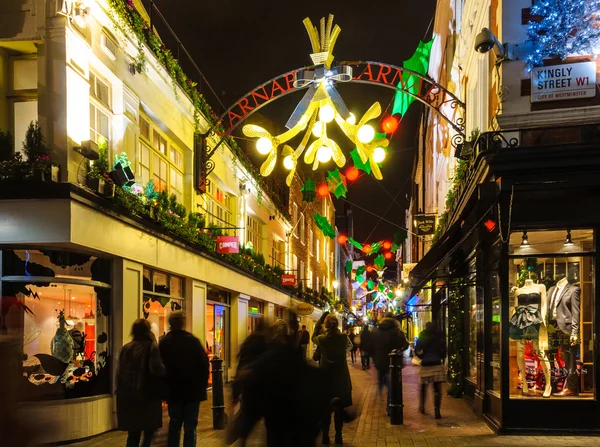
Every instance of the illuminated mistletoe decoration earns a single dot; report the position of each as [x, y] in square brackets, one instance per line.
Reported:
[320, 106]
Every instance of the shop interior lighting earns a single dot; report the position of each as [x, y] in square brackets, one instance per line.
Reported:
[568, 240]
[524, 240]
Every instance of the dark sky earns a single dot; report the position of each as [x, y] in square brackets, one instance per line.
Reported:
[239, 44]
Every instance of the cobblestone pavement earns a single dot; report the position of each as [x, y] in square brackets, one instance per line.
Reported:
[459, 426]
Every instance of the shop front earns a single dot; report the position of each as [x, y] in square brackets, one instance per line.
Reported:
[518, 269]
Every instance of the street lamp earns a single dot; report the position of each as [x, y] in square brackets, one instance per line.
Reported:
[335, 284]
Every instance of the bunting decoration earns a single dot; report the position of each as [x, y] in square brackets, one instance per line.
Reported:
[337, 183]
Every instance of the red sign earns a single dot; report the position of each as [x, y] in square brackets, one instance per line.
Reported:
[288, 280]
[228, 244]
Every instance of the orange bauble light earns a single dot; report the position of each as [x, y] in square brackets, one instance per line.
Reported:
[389, 124]
[388, 255]
[342, 239]
[366, 248]
[387, 245]
[323, 190]
[352, 173]
[369, 268]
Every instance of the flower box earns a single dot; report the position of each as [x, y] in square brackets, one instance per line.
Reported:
[101, 186]
[123, 175]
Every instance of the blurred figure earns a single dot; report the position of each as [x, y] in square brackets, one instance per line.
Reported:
[355, 339]
[254, 345]
[187, 370]
[334, 345]
[365, 347]
[431, 349]
[304, 340]
[138, 389]
[387, 337]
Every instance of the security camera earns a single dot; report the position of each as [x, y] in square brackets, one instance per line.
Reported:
[486, 41]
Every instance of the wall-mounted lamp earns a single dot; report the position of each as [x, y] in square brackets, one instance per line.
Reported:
[568, 240]
[524, 240]
[335, 284]
[88, 149]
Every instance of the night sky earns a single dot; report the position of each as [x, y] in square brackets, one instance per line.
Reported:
[240, 44]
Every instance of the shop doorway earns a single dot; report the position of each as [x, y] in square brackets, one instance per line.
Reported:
[217, 335]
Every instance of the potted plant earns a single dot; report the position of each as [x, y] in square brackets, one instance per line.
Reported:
[98, 179]
[6, 146]
[122, 174]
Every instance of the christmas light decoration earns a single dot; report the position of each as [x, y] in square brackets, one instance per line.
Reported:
[336, 183]
[264, 145]
[564, 28]
[324, 154]
[309, 191]
[323, 190]
[389, 124]
[358, 163]
[324, 225]
[388, 255]
[386, 245]
[342, 239]
[418, 63]
[366, 248]
[369, 268]
[366, 134]
[352, 173]
[378, 154]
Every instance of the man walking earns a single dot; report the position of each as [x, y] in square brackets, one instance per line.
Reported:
[387, 337]
[304, 340]
[187, 370]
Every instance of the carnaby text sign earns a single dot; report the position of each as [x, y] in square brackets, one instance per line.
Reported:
[560, 82]
[228, 244]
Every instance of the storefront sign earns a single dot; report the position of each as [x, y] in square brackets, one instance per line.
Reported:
[425, 224]
[288, 280]
[407, 268]
[228, 244]
[304, 309]
[559, 82]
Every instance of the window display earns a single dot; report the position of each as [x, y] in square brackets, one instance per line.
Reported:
[163, 294]
[59, 304]
[551, 278]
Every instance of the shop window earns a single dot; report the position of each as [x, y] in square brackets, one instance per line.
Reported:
[551, 314]
[163, 294]
[256, 312]
[253, 233]
[217, 326]
[63, 320]
[496, 331]
[473, 317]
[279, 312]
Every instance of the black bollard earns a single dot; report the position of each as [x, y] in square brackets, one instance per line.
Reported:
[218, 397]
[396, 400]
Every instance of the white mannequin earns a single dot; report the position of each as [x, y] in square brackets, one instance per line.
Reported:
[531, 287]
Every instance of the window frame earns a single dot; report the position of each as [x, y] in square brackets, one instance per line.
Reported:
[254, 233]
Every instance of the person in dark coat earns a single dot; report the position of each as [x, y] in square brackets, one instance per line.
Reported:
[187, 369]
[431, 349]
[387, 337]
[138, 400]
[304, 340]
[365, 347]
[334, 345]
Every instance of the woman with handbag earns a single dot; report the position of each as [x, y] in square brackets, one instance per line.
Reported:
[140, 372]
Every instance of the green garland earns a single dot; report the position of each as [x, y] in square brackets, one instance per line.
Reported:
[128, 20]
[456, 346]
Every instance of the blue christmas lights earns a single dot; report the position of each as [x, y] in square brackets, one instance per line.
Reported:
[565, 28]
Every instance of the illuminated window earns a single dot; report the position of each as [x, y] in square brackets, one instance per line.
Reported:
[318, 249]
[144, 164]
[108, 44]
[159, 173]
[163, 294]
[218, 207]
[301, 274]
[145, 129]
[99, 90]
[159, 143]
[277, 253]
[310, 241]
[176, 157]
[99, 109]
[295, 219]
[253, 233]
[302, 229]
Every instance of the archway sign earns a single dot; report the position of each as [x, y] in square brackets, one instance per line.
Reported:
[399, 79]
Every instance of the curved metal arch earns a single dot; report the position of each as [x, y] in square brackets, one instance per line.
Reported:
[430, 93]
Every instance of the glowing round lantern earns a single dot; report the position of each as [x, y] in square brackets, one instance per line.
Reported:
[369, 268]
[352, 173]
[389, 124]
[387, 256]
[323, 190]
[342, 239]
[387, 245]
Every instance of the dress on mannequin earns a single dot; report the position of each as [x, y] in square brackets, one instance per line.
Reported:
[525, 325]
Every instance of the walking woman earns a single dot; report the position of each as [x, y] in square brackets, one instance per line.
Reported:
[334, 345]
[138, 388]
[431, 349]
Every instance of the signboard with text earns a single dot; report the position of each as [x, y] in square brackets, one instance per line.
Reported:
[425, 224]
[560, 82]
[228, 244]
[288, 280]
[304, 309]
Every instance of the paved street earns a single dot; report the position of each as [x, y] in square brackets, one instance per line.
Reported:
[459, 426]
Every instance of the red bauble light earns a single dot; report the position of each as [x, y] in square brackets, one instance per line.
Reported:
[388, 255]
[323, 190]
[352, 173]
[342, 239]
[389, 124]
[387, 245]
[490, 225]
[366, 248]
[369, 268]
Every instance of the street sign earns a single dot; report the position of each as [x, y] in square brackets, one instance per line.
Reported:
[288, 280]
[425, 224]
[228, 244]
[560, 82]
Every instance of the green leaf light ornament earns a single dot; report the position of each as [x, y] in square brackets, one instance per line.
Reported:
[324, 226]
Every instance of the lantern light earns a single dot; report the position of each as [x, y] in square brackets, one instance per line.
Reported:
[369, 268]
[352, 173]
[264, 145]
[317, 129]
[378, 154]
[324, 154]
[323, 190]
[351, 119]
[326, 113]
[389, 124]
[387, 245]
[366, 134]
[366, 248]
[342, 239]
[335, 284]
[388, 255]
[398, 292]
[288, 163]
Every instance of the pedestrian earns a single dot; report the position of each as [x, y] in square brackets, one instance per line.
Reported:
[187, 370]
[365, 347]
[387, 337]
[139, 393]
[334, 345]
[304, 340]
[431, 349]
[355, 339]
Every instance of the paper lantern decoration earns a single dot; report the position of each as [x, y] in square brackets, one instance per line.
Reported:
[388, 255]
[309, 191]
[323, 190]
[389, 124]
[366, 248]
[386, 245]
[369, 268]
[352, 173]
[324, 225]
[342, 239]
[336, 182]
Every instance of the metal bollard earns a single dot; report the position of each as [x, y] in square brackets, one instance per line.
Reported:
[218, 397]
[396, 400]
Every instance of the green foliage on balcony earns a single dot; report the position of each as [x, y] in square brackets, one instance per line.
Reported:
[37, 164]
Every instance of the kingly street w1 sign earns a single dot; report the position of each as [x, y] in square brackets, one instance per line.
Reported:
[560, 82]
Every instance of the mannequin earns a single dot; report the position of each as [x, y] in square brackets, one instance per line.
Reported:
[525, 324]
[563, 329]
